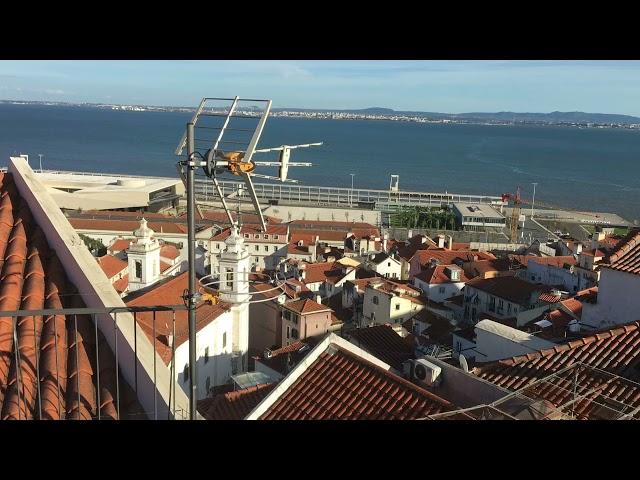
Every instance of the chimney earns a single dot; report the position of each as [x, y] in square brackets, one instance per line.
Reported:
[578, 249]
[450, 243]
[410, 234]
[318, 299]
[440, 241]
[384, 242]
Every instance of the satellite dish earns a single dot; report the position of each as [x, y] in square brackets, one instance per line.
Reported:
[463, 363]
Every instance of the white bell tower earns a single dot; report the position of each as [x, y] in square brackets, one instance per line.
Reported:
[143, 256]
[234, 289]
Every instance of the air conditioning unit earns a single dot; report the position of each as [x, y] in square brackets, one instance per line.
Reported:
[425, 372]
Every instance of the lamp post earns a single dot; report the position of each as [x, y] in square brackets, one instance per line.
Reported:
[533, 201]
[351, 192]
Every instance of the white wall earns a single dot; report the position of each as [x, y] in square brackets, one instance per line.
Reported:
[551, 275]
[389, 268]
[385, 311]
[435, 293]
[218, 368]
[618, 300]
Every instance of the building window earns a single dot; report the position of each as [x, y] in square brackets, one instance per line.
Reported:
[275, 248]
[266, 237]
[286, 314]
[224, 340]
[375, 300]
[388, 264]
[185, 373]
[266, 248]
[138, 269]
[256, 236]
[294, 333]
[206, 355]
[257, 248]
[441, 289]
[246, 235]
[288, 332]
[276, 237]
[230, 278]
[397, 306]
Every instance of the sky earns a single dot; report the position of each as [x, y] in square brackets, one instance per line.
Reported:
[434, 86]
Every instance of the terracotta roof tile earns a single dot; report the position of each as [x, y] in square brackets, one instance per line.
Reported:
[626, 256]
[125, 225]
[305, 306]
[383, 342]
[339, 385]
[169, 292]
[32, 277]
[615, 351]
[120, 245]
[169, 251]
[234, 405]
[437, 275]
[449, 257]
[509, 288]
[111, 265]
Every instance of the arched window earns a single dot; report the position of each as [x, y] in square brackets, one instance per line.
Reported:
[375, 300]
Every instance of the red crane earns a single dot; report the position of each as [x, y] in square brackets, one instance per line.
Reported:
[515, 212]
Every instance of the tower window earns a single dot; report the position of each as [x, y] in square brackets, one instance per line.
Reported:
[206, 355]
[230, 278]
[138, 269]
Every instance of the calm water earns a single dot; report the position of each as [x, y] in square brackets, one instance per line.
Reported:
[591, 169]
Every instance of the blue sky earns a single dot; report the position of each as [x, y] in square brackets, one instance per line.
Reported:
[439, 86]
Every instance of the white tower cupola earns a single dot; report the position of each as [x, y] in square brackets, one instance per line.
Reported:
[234, 289]
[143, 256]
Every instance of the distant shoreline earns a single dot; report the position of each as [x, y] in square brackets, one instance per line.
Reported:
[392, 116]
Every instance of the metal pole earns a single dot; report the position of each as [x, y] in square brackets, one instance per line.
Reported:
[351, 193]
[533, 201]
[191, 227]
[40, 155]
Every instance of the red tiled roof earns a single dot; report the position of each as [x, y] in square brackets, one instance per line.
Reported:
[339, 385]
[305, 237]
[513, 289]
[305, 306]
[594, 252]
[626, 257]
[125, 225]
[549, 297]
[449, 256]
[120, 245]
[246, 218]
[169, 251]
[615, 351]
[280, 230]
[32, 277]
[482, 267]
[170, 293]
[111, 265]
[294, 249]
[437, 275]
[383, 342]
[122, 284]
[234, 405]
[323, 235]
[164, 266]
[319, 272]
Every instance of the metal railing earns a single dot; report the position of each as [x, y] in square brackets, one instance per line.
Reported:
[61, 365]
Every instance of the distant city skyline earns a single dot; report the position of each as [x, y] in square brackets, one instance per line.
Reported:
[436, 86]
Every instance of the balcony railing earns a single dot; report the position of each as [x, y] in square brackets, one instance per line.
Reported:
[66, 364]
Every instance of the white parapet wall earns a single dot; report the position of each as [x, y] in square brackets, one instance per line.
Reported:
[81, 268]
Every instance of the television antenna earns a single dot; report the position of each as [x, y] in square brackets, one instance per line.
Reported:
[223, 141]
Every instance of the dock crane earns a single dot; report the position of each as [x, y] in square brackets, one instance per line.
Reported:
[515, 212]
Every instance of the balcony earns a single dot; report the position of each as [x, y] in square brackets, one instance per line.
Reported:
[76, 363]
